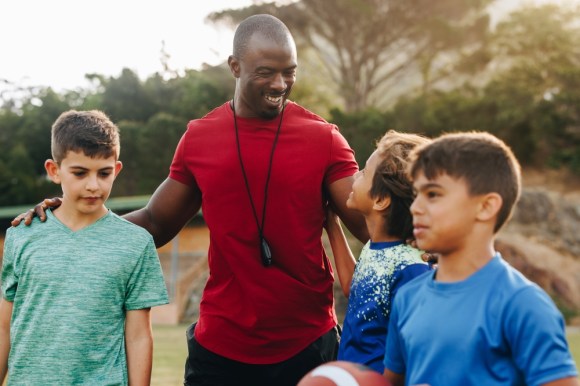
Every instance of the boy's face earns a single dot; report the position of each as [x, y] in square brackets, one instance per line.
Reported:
[360, 199]
[444, 213]
[86, 182]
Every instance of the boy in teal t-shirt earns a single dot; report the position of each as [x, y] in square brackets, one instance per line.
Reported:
[77, 292]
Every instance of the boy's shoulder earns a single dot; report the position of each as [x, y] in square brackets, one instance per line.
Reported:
[391, 257]
[497, 277]
[36, 229]
[515, 288]
[402, 255]
[119, 224]
[408, 253]
[507, 278]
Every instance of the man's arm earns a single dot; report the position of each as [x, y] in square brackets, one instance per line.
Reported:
[354, 221]
[171, 206]
[139, 346]
[5, 316]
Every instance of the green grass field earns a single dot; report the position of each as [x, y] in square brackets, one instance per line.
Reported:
[171, 351]
[574, 341]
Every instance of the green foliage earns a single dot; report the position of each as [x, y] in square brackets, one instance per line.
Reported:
[533, 102]
[366, 46]
[361, 130]
[146, 152]
[126, 98]
[151, 115]
[529, 95]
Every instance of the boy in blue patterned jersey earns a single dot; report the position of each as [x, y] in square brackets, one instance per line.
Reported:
[77, 292]
[383, 193]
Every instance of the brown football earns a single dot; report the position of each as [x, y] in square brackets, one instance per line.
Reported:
[343, 373]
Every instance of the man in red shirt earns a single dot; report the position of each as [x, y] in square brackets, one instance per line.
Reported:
[262, 169]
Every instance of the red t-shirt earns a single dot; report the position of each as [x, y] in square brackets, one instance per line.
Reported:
[248, 312]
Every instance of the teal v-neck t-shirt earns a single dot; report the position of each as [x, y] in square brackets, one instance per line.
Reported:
[70, 292]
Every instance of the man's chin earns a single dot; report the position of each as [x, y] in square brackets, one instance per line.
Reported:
[270, 113]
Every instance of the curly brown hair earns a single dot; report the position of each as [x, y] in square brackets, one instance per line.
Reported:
[391, 180]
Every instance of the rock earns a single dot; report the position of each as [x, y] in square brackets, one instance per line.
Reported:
[542, 241]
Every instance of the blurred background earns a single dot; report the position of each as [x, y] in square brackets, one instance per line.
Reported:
[509, 67]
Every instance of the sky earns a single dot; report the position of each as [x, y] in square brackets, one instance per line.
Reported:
[55, 43]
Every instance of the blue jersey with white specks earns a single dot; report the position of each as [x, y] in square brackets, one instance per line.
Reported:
[380, 271]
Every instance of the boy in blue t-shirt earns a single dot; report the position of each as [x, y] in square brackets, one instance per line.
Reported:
[77, 292]
[475, 320]
[383, 193]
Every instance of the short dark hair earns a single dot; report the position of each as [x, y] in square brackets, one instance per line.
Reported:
[91, 132]
[391, 179]
[266, 25]
[483, 161]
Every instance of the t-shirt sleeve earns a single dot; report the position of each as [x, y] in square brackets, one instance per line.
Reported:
[9, 272]
[146, 286]
[394, 356]
[407, 274]
[178, 170]
[394, 359]
[342, 162]
[536, 334]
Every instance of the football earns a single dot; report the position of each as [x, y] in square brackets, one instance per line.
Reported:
[343, 373]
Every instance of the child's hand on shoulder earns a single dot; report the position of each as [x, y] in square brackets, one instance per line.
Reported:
[332, 220]
[428, 257]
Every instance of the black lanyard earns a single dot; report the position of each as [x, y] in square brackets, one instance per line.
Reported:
[264, 246]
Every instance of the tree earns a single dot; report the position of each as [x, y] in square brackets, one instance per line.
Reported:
[530, 96]
[369, 46]
[539, 93]
[193, 94]
[125, 98]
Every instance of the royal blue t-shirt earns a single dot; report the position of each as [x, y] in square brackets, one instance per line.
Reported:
[493, 328]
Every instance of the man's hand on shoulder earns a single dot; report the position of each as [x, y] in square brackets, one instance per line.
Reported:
[39, 210]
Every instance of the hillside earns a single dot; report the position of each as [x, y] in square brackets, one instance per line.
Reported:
[542, 239]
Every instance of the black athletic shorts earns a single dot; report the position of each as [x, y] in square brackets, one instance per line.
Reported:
[203, 367]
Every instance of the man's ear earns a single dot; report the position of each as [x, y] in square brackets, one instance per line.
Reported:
[118, 168]
[234, 66]
[381, 203]
[490, 206]
[52, 170]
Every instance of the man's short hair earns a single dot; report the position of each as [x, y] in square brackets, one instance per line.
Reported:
[391, 179]
[266, 25]
[91, 132]
[483, 161]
